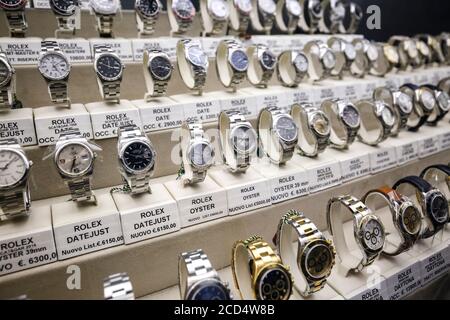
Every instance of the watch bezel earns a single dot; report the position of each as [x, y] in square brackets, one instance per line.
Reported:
[101, 9]
[28, 165]
[191, 13]
[114, 55]
[237, 5]
[261, 52]
[397, 103]
[8, 78]
[289, 9]
[263, 11]
[60, 54]
[303, 255]
[420, 93]
[149, 68]
[323, 51]
[269, 267]
[379, 107]
[442, 93]
[312, 115]
[19, 5]
[143, 141]
[231, 142]
[295, 56]
[64, 145]
[190, 150]
[192, 290]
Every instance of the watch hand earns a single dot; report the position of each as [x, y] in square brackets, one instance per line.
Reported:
[73, 164]
[7, 164]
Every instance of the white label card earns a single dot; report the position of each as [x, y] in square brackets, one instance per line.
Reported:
[273, 99]
[355, 167]
[376, 292]
[289, 186]
[444, 141]
[383, 159]
[301, 95]
[404, 282]
[245, 104]
[106, 124]
[324, 176]
[434, 265]
[203, 110]
[407, 152]
[428, 146]
[41, 4]
[166, 45]
[248, 197]
[160, 117]
[351, 92]
[20, 129]
[326, 93]
[21, 51]
[77, 50]
[122, 47]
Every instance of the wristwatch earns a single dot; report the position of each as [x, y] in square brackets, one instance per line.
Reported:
[435, 48]
[442, 105]
[373, 56]
[288, 14]
[7, 83]
[409, 55]
[312, 14]
[377, 120]
[354, 15]
[405, 223]
[432, 201]
[231, 63]
[199, 280]
[438, 176]
[322, 60]
[181, 15]
[15, 14]
[277, 135]
[238, 140]
[424, 104]
[65, 12]
[157, 72]
[313, 129]
[74, 158]
[55, 68]
[292, 67]
[315, 256]
[197, 153]
[105, 11]
[401, 103]
[391, 54]
[345, 122]
[137, 158]
[109, 69]
[347, 58]
[368, 231]
[258, 271]
[262, 63]
[147, 13]
[15, 200]
[425, 53]
[217, 13]
[118, 287]
[240, 15]
[334, 12]
[263, 15]
[193, 64]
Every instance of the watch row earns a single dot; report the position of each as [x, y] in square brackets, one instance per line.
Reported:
[327, 16]
[262, 273]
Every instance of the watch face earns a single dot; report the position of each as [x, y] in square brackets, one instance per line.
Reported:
[5, 73]
[274, 284]
[373, 235]
[351, 116]
[411, 220]
[160, 68]
[385, 112]
[372, 52]
[184, 9]
[109, 67]
[219, 9]
[405, 103]
[391, 54]
[54, 66]
[318, 261]
[10, 3]
[138, 156]
[428, 100]
[65, 5]
[244, 6]
[442, 98]
[286, 128]
[209, 290]
[294, 7]
[148, 8]
[201, 154]
[197, 56]
[301, 63]
[268, 59]
[315, 8]
[338, 12]
[321, 124]
[439, 208]
[239, 60]
[350, 51]
[243, 139]
[105, 6]
[12, 168]
[329, 59]
[74, 159]
[267, 6]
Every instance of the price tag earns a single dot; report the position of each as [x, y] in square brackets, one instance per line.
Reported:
[274, 43]
[328, 92]
[404, 282]
[444, 141]
[248, 197]
[428, 146]
[377, 291]
[122, 47]
[355, 167]
[434, 265]
[301, 95]
[18, 124]
[270, 97]
[41, 4]
[383, 159]
[163, 113]
[166, 45]
[21, 51]
[289, 186]
[202, 109]
[324, 176]
[407, 152]
[77, 50]
[351, 92]
[245, 103]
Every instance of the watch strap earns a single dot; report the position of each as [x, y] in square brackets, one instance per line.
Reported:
[313, 24]
[239, 22]
[66, 24]
[189, 132]
[105, 25]
[118, 287]
[415, 181]
[17, 23]
[146, 25]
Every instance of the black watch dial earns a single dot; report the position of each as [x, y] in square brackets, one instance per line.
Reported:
[351, 116]
[318, 261]
[274, 284]
[64, 6]
[148, 8]
[4, 73]
[138, 156]
[268, 59]
[210, 290]
[109, 67]
[161, 68]
[439, 208]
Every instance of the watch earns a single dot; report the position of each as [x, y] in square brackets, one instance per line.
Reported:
[435, 48]
[277, 134]
[401, 103]
[118, 287]
[405, 223]
[334, 12]
[15, 14]
[377, 120]
[240, 15]
[147, 12]
[7, 83]
[425, 53]
[442, 105]
[432, 201]
[288, 15]
[238, 140]
[65, 12]
[292, 67]
[368, 231]
[424, 104]
[109, 69]
[347, 58]
[262, 63]
[105, 11]
[157, 72]
[181, 15]
[312, 14]
[373, 56]
[193, 64]
[197, 153]
[322, 60]
[214, 15]
[313, 129]
[137, 158]
[258, 271]
[231, 63]
[312, 259]
[409, 55]
[199, 280]
[263, 15]
[354, 15]
[15, 200]
[345, 122]
[55, 68]
[74, 158]
[438, 175]
[391, 54]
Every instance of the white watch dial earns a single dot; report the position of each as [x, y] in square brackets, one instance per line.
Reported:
[373, 235]
[372, 52]
[301, 63]
[219, 9]
[244, 6]
[428, 100]
[105, 6]
[329, 59]
[243, 139]
[268, 6]
[74, 159]
[444, 100]
[293, 7]
[350, 51]
[12, 168]
[54, 66]
[197, 56]
[405, 103]
[388, 116]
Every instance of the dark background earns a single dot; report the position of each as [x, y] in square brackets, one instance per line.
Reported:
[399, 17]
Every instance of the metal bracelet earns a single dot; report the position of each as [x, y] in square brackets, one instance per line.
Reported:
[17, 23]
[118, 287]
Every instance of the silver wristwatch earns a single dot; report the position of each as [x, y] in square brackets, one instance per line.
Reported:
[7, 83]
[181, 15]
[334, 12]
[231, 63]
[262, 64]
[217, 12]
[193, 64]
[118, 287]
[442, 105]
[313, 127]
[15, 14]
[157, 72]
[105, 11]
[322, 60]
[263, 15]
[292, 67]
[288, 15]
[137, 158]
[347, 58]
[198, 280]
[66, 14]
[238, 140]
[240, 15]
[197, 153]
[377, 120]
[312, 14]
[277, 135]
[109, 69]
[15, 168]
[147, 12]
